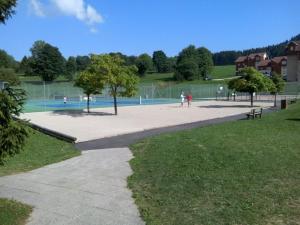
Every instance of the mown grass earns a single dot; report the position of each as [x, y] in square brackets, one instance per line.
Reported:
[13, 212]
[40, 150]
[221, 72]
[243, 172]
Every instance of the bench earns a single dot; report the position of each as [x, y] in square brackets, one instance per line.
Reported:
[254, 113]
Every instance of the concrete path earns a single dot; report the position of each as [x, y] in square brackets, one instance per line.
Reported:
[89, 189]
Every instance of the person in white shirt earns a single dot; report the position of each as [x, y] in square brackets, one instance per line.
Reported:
[182, 98]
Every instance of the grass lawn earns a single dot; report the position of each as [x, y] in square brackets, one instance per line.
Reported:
[13, 212]
[40, 150]
[243, 172]
[219, 72]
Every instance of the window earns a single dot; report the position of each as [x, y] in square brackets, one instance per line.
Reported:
[283, 62]
[292, 48]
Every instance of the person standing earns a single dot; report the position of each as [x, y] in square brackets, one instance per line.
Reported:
[189, 99]
[65, 100]
[182, 98]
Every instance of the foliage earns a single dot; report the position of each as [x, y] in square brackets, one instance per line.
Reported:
[7, 9]
[278, 86]
[48, 62]
[90, 82]
[26, 66]
[6, 60]
[193, 63]
[120, 79]
[71, 68]
[82, 62]
[144, 64]
[12, 133]
[251, 81]
[243, 172]
[160, 62]
[13, 212]
[9, 76]
[205, 62]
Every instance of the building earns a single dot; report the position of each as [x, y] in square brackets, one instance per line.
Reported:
[293, 61]
[265, 67]
[252, 60]
[279, 65]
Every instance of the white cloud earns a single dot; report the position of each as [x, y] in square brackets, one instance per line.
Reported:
[77, 8]
[37, 8]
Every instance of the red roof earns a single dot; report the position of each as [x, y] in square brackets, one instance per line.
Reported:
[253, 55]
[279, 59]
[264, 63]
[241, 59]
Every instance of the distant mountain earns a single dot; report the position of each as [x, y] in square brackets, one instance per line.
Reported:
[228, 57]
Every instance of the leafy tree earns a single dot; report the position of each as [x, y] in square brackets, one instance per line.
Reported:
[91, 84]
[160, 62]
[186, 69]
[25, 66]
[278, 86]
[71, 68]
[119, 78]
[48, 62]
[9, 75]
[251, 81]
[144, 64]
[205, 62]
[13, 133]
[82, 62]
[6, 60]
[7, 9]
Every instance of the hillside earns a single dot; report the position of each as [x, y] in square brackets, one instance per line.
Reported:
[228, 57]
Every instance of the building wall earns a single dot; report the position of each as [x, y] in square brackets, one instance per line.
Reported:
[293, 70]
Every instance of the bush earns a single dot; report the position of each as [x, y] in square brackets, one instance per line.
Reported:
[13, 133]
[9, 76]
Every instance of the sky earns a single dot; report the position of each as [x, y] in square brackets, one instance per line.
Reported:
[133, 27]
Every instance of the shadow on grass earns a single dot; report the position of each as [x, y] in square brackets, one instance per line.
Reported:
[80, 113]
[294, 119]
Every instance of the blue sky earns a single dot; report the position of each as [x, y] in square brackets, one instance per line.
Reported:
[80, 27]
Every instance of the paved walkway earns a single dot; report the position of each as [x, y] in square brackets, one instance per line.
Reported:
[90, 190]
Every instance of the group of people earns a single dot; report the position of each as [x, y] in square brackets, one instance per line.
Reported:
[187, 98]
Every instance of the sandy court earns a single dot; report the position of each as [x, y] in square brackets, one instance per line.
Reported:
[101, 123]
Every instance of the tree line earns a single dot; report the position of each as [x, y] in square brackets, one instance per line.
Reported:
[228, 57]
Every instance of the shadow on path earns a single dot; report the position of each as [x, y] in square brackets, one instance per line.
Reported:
[80, 113]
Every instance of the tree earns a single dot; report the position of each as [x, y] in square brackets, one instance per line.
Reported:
[186, 69]
[160, 62]
[119, 78]
[205, 62]
[9, 75]
[251, 81]
[6, 60]
[48, 62]
[82, 62]
[7, 9]
[144, 64]
[278, 86]
[26, 66]
[13, 133]
[70, 68]
[91, 84]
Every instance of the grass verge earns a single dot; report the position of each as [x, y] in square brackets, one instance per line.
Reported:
[13, 212]
[40, 150]
[243, 172]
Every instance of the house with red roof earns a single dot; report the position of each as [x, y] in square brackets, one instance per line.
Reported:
[252, 60]
[293, 61]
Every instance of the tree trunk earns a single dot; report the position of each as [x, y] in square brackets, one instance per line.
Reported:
[251, 95]
[115, 105]
[275, 100]
[88, 103]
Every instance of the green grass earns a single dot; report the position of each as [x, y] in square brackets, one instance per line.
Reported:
[243, 172]
[221, 72]
[40, 150]
[13, 212]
